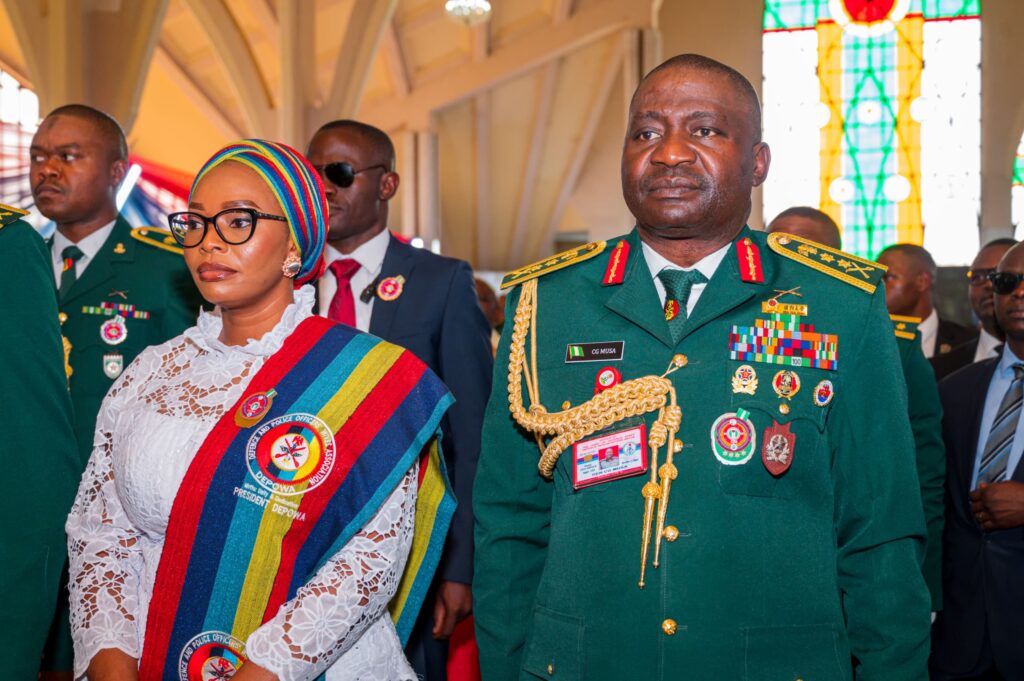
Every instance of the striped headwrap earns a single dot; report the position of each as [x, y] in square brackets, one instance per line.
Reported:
[298, 188]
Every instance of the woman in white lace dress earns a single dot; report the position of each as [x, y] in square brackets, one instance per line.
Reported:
[178, 570]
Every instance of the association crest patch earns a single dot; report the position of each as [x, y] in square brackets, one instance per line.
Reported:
[733, 438]
[114, 331]
[291, 454]
[210, 656]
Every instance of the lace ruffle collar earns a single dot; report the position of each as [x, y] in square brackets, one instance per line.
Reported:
[206, 332]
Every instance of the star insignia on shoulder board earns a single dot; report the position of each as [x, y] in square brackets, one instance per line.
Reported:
[804, 249]
[825, 257]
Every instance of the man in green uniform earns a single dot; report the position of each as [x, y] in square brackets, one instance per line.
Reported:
[120, 289]
[922, 397]
[727, 488]
[37, 434]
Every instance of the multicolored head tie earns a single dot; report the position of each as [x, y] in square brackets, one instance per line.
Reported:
[297, 187]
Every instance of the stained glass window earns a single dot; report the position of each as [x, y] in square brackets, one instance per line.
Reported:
[873, 110]
[1018, 191]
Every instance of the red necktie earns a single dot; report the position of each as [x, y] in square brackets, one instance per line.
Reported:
[343, 305]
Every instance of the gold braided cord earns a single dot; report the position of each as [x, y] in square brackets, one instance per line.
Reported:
[634, 397]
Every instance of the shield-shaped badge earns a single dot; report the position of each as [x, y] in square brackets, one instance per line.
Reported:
[777, 450]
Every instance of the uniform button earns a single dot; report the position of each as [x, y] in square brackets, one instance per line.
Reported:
[669, 627]
[670, 533]
[551, 670]
[677, 445]
[783, 408]
[565, 405]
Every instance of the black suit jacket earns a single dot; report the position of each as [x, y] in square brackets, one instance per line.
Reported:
[438, 318]
[983, 572]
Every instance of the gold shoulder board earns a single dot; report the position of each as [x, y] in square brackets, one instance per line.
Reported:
[905, 327]
[864, 274]
[555, 262]
[9, 214]
[160, 238]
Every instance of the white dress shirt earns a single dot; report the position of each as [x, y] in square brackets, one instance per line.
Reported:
[706, 266]
[929, 330]
[370, 257]
[1001, 381]
[90, 246]
[987, 346]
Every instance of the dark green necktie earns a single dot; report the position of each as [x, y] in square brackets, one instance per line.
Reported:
[71, 255]
[678, 284]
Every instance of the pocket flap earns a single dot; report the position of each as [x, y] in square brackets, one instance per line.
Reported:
[554, 649]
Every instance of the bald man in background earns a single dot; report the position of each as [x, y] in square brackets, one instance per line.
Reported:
[925, 409]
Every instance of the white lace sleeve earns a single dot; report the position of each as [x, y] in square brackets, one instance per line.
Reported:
[349, 593]
[104, 557]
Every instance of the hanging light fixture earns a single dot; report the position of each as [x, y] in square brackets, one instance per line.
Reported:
[469, 12]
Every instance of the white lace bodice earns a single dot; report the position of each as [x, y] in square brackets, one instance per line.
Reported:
[150, 426]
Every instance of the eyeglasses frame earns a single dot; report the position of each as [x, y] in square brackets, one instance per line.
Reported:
[207, 221]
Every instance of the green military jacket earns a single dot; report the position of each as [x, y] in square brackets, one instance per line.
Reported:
[761, 577]
[926, 423]
[38, 441]
[158, 299]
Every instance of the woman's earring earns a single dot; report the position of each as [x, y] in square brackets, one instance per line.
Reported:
[291, 266]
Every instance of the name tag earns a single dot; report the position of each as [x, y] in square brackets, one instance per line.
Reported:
[611, 351]
[609, 457]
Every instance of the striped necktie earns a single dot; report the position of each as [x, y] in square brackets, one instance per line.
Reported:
[678, 284]
[1000, 438]
[71, 255]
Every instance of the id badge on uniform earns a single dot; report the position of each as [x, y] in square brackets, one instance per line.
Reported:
[608, 457]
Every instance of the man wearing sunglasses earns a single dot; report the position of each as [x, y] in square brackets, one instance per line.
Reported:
[427, 304]
[978, 634]
[121, 290]
[979, 293]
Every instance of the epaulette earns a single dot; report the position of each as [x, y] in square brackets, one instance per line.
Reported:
[864, 274]
[555, 262]
[160, 238]
[905, 327]
[9, 214]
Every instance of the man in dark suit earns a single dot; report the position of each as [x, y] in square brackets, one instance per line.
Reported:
[979, 292]
[120, 289]
[978, 635]
[425, 303]
[908, 293]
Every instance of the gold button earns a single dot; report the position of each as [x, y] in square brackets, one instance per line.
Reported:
[677, 445]
[783, 408]
[679, 360]
[63, 317]
[565, 405]
[669, 627]
[783, 240]
[670, 533]
[551, 670]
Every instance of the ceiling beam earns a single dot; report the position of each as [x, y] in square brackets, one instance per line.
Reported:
[197, 95]
[297, 84]
[244, 76]
[480, 38]
[395, 59]
[582, 28]
[482, 144]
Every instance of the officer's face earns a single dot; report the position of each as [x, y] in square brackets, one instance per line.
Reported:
[73, 172]
[904, 283]
[690, 159]
[361, 206]
[239, 275]
[980, 290]
[1010, 307]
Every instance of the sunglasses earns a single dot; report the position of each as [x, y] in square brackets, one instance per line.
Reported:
[979, 276]
[1005, 283]
[342, 174]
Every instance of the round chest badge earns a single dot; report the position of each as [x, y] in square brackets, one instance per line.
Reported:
[212, 655]
[390, 288]
[114, 331]
[606, 378]
[733, 438]
[823, 393]
[786, 384]
[254, 408]
[291, 450]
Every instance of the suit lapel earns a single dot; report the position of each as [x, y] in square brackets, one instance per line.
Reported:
[965, 465]
[398, 261]
[101, 269]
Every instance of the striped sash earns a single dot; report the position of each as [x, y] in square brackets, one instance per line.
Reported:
[266, 503]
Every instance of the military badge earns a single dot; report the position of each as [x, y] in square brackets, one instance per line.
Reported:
[113, 365]
[777, 451]
[749, 260]
[390, 288]
[786, 384]
[616, 270]
[606, 378]
[733, 438]
[823, 393]
[114, 331]
[782, 339]
[609, 457]
[671, 309]
[253, 408]
[744, 380]
[119, 249]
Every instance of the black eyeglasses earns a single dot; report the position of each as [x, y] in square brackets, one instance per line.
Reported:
[342, 174]
[978, 276]
[1005, 283]
[234, 226]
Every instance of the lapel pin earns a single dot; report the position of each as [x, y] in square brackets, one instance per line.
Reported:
[390, 288]
[119, 249]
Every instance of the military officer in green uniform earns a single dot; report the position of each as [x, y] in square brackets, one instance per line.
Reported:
[697, 461]
[922, 397]
[38, 441]
[120, 289]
